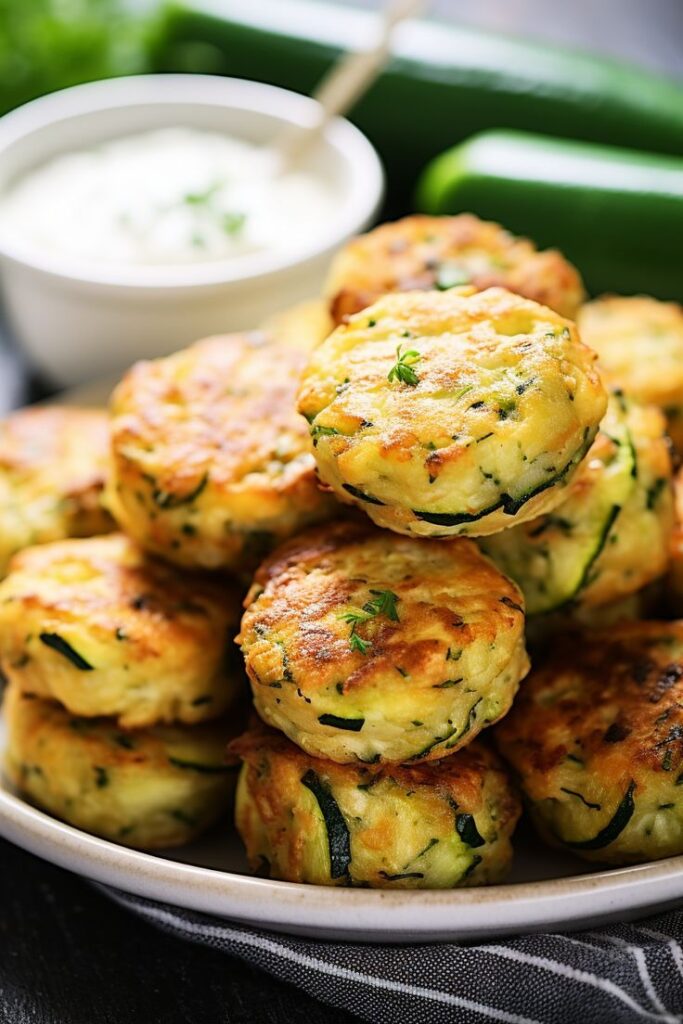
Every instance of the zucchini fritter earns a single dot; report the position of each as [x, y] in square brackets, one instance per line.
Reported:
[302, 326]
[153, 788]
[53, 463]
[543, 630]
[674, 580]
[452, 413]
[610, 536]
[432, 826]
[639, 342]
[364, 646]
[421, 252]
[212, 466]
[596, 738]
[105, 630]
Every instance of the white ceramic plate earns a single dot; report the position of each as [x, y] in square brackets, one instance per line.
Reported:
[547, 890]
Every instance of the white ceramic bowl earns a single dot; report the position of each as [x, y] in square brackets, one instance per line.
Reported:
[76, 320]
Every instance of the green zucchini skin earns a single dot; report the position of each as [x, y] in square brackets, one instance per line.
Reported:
[568, 561]
[466, 827]
[425, 827]
[338, 837]
[451, 738]
[614, 827]
[164, 499]
[456, 518]
[466, 79]
[361, 495]
[350, 724]
[197, 766]
[599, 548]
[63, 647]
[617, 214]
[509, 505]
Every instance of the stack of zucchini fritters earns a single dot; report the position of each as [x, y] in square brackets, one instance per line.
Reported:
[473, 477]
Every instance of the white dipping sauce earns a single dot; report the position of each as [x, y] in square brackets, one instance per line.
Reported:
[169, 196]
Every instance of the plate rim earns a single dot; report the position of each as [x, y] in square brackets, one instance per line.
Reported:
[346, 913]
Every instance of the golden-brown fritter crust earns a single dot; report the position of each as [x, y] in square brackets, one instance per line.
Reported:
[53, 462]
[674, 580]
[596, 738]
[639, 342]
[211, 464]
[482, 429]
[365, 646]
[106, 630]
[421, 253]
[437, 825]
[151, 788]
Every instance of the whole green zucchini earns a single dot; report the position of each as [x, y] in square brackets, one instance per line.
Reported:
[617, 214]
[444, 83]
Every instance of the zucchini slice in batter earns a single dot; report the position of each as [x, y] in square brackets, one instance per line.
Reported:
[338, 838]
[552, 558]
[614, 827]
[510, 504]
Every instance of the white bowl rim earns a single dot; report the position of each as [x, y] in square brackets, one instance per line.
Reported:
[365, 192]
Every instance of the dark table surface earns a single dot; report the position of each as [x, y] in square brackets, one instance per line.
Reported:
[70, 956]
[67, 954]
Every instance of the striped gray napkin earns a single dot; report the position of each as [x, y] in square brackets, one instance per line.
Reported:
[622, 974]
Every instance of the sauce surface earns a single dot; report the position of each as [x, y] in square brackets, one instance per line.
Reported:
[168, 196]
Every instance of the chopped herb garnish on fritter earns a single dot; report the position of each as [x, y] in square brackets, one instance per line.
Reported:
[402, 370]
[383, 602]
[356, 643]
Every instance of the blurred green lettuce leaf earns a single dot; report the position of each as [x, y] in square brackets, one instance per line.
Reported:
[51, 44]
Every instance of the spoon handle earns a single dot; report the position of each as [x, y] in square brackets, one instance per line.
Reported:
[349, 78]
